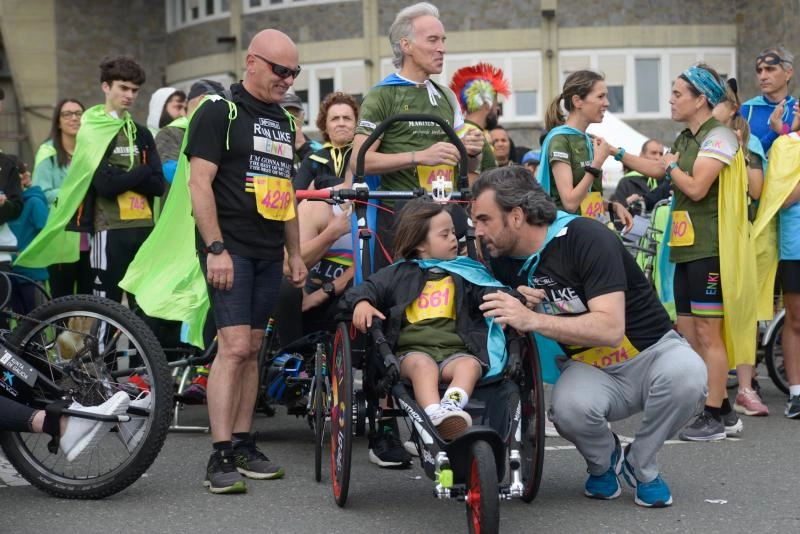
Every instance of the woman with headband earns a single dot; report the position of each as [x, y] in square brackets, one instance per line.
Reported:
[709, 241]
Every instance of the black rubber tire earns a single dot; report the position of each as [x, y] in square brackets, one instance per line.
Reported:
[320, 400]
[341, 372]
[87, 478]
[773, 358]
[532, 421]
[483, 498]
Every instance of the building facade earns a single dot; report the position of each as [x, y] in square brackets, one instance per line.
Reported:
[640, 46]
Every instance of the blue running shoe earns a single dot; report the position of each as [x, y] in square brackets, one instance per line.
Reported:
[606, 486]
[653, 494]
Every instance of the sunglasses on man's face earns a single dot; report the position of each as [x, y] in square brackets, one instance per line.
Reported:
[771, 58]
[279, 70]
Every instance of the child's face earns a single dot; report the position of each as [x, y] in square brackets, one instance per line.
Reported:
[441, 243]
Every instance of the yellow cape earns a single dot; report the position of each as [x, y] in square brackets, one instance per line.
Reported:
[737, 264]
[783, 175]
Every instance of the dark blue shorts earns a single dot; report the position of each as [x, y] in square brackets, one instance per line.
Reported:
[249, 301]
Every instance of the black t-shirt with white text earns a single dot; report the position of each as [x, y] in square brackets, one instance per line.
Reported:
[586, 260]
[261, 143]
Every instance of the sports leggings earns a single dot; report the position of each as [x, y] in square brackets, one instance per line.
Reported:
[15, 417]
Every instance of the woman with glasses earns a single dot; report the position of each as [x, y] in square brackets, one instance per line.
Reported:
[709, 241]
[50, 168]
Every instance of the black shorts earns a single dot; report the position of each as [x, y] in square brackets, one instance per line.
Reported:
[249, 301]
[698, 289]
[789, 275]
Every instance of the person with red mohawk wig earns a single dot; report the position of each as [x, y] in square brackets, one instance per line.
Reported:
[476, 88]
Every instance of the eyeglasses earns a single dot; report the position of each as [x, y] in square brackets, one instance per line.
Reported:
[279, 70]
[771, 58]
[68, 114]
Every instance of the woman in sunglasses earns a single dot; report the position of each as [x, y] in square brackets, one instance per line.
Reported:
[770, 114]
[50, 168]
[709, 181]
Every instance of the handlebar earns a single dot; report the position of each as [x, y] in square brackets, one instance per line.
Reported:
[463, 180]
[363, 194]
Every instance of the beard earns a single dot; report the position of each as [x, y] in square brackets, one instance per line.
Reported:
[491, 121]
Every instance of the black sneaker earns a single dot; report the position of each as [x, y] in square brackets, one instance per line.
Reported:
[705, 428]
[252, 463]
[792, 410]
[221, 474]
[733, 425]
[386, 450]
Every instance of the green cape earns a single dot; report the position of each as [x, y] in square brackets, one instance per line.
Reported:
[54, 244]
[165, 275]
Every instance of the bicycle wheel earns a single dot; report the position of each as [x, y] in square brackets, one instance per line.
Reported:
[773, 358]
[532, 422]
[483, 499]
[91, 348]
[321, 389]
[341, 411]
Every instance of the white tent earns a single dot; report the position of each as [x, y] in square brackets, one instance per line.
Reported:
[616, 132]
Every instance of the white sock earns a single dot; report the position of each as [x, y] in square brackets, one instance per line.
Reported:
[432, 409]
[794, 390]
[457, 396]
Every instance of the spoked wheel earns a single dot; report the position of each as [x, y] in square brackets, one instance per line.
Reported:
[773, 358]
[532, 422]
[321, 403]
[92, 348]
[483, 498]
[341, 372]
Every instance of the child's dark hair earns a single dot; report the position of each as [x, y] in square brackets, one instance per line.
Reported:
[412, 225]
[121, 68]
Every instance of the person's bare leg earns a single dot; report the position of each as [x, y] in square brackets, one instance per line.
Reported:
[226, 379]
[424, 375]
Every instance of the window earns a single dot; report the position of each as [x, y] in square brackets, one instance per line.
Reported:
[639, 80]
[521, 69]
[317, 80]
[648, 74]
[251, 6]
[182, 13]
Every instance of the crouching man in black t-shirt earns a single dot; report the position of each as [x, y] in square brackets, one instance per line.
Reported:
[620, 353]
[241, 164]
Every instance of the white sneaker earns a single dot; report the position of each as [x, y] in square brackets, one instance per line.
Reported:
[450, 420]
[132, 432]
[411, 448]
[81, 434]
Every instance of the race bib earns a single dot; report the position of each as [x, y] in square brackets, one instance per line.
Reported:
[436, 301]
[430, 173]
[606, 356]
[592, 205]
[682, 232]
[274, 198]
[133, 206]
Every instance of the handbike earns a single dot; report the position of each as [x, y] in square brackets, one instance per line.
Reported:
[84, 348]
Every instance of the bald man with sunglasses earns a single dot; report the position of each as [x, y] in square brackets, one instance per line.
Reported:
[241, 165]
[771, 113]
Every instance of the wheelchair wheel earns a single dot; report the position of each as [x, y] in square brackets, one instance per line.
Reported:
[532, 397]
[341, 372]
[773, 358]
[482, 497]
[320, 403]
[91, 348]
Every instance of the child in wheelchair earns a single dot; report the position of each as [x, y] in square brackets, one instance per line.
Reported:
[428, 302]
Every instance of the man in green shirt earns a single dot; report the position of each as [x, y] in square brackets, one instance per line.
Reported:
[410, 155]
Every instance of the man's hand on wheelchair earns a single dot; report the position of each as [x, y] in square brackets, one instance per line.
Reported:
[363, 313]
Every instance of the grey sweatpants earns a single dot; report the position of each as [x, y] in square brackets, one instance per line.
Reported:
[667, 381]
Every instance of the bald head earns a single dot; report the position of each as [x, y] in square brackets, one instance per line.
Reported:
[272, 65]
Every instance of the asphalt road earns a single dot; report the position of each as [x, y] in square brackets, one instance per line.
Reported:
[739, 485]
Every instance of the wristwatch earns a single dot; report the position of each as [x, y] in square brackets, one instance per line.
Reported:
[216, 248]
[329, 289]
[671, 167]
